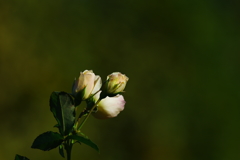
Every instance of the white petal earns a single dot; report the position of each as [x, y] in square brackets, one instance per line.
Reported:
[110, 107]
[97, 84]
[88, 81]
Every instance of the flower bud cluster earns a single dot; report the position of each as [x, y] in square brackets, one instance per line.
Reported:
[108, 96]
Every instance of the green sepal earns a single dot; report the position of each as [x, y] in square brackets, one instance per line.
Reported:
[76, 95]
[18, 157]
[105, 94]
[90, 104]
[85, 140]
[61, 150]
[47, 141]
[79, 97]
[56, 125]
[63, 109]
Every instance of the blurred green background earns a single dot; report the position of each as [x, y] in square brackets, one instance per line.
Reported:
[182, 58]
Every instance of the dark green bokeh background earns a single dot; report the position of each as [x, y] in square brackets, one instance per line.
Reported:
[182, 58]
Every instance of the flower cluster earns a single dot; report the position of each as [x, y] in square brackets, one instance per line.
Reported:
[106, 97]
[104, 100]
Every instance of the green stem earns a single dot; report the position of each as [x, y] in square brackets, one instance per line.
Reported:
[80, 126]
[68, 148]
[84, 112]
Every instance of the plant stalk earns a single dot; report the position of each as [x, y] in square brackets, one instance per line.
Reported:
[68, 147]
[85, 119]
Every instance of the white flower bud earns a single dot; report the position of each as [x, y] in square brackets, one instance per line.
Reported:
[109, 107]
[87, 84]
[116, 83]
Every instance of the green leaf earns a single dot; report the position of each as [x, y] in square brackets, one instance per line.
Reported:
[61, 151]
[47, 141]
[84, 140]
[18, 157]
[63, 109]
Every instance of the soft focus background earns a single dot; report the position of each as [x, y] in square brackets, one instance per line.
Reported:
[182, 58]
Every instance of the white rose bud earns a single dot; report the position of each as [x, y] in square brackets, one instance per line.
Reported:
[87, 84]
[116, 82]
[109, 107]
[97, 84]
